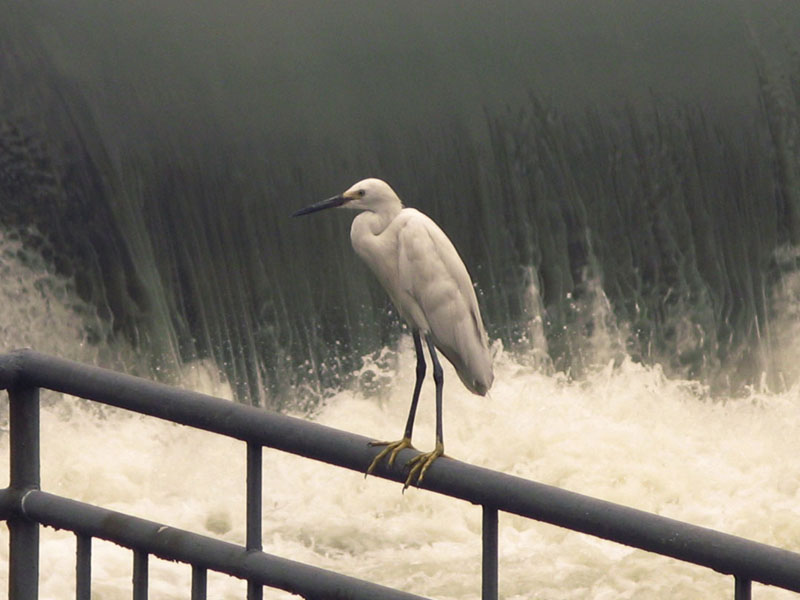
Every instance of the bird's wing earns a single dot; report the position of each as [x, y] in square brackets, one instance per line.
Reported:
[441, 298]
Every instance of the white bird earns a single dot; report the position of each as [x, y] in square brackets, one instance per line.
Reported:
[429, 285]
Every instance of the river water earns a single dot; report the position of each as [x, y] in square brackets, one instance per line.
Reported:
[625, 433]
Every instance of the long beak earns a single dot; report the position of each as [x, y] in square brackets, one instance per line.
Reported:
[329, 203]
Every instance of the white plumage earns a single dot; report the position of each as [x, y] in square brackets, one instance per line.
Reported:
[426, 279]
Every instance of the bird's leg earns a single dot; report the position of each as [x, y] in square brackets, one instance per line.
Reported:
[393, 448]
[419, 465]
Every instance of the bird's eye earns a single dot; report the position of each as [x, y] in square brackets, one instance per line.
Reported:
[361, 193]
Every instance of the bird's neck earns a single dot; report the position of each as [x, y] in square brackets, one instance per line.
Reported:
[378, 220]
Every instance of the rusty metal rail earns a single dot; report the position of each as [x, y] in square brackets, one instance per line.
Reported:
[22, 373]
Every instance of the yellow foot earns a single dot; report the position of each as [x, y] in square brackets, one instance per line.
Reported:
[419, 465]
[392, 449]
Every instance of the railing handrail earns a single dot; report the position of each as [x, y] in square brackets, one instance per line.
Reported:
[171, 543]
[728, 554]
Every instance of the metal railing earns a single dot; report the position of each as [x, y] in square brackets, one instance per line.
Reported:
[25, 506]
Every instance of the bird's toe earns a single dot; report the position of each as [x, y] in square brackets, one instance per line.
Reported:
[392, 449]
[419, 465]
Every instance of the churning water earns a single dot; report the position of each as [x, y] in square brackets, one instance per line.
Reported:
[625, 433]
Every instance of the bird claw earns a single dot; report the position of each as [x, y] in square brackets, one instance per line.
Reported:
[392, 449]
[420, 464]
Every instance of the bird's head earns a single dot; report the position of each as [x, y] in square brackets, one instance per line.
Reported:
[369, 194]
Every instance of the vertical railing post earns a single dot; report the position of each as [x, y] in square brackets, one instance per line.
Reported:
[253, 542]
[140, 574]
[742, 589]
[23, 576]
[83, 567]
[199, 583]
[489, 584]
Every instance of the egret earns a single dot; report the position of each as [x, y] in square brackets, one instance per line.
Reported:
[427, 281]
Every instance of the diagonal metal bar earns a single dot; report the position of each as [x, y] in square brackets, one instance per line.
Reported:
[170, 543]
[725, 553]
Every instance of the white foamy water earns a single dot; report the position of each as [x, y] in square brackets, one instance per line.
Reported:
[626, 433]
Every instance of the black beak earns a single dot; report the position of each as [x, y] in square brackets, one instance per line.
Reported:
[329, 203]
